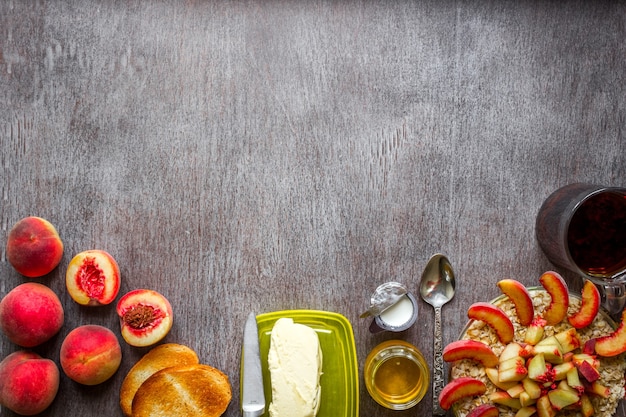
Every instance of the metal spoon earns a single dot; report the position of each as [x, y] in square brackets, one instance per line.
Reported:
[437, 288]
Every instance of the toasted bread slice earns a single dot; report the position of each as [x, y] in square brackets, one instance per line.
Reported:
[187, 390]
[159, 357]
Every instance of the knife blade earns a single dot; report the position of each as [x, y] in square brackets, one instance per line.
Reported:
[252, 393]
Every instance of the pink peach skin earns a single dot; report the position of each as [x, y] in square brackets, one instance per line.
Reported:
[28, 383]
[90, 354]
[520, 297]
[556, 286]
[34, 247]
[460, 388]
[472, 350]
[495, 318]
[589, 307]
[31, 314]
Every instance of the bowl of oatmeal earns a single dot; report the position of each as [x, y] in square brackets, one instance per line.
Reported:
[611, 369]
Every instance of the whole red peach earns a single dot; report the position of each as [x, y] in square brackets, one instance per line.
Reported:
[93, 278]
[31, 314]
[34, 247]
[90, 354]
[28, 382]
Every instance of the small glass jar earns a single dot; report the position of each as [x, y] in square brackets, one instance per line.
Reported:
[396, 375]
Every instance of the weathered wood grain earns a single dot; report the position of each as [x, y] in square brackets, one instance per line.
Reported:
[259, 156]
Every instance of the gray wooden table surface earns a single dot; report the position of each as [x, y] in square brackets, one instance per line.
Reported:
[270, 155]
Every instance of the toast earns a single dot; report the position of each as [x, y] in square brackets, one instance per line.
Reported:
[158, 358]
[187, 390]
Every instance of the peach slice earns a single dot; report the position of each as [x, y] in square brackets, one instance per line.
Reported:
[589, 347]
[579, 358]
[568, 339]
[470, 349]
[31, 314]
[598, 389]
[516, 390]
[146, 317]
[503, 398]
[589, 372]
[586, 406]
[544, 407]
[34, 247]
[589, 307]
[561, 398]
[495, 318]
[28, 382]
[556, 286]
[460, 388]
[561, 370]
[532, 388]
[513, 369]
[93, 278]
[538, 370]
[551, 350]
[90, 354]
[484, 410]
[513, 350]
[526, 411]
[520, 297]
[494, 377]
[534, 332]
[614, 343]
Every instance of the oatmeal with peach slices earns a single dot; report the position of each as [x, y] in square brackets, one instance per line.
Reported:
[537, 352]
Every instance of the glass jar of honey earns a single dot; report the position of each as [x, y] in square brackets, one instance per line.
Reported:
[396, 375]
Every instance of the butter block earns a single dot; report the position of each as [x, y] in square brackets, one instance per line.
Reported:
[295, 364]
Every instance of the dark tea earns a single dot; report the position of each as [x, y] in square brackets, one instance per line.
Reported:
[582, 228]
[596, 236]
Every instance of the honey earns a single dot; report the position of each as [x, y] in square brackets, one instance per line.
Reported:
[396, 375]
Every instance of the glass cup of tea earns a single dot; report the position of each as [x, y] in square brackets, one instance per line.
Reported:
[582, 228]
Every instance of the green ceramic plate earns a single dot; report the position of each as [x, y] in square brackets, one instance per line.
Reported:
[339, 380]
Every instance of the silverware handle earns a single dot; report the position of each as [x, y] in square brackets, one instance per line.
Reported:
[438, 365]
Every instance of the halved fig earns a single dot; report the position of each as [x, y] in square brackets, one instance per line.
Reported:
[93, 278]
[146, 317]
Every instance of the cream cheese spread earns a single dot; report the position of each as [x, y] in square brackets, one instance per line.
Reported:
[295, 364]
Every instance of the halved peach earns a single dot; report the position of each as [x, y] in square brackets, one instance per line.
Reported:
[589, 307]
[93, 278]
[146, 317]
[520, 297]
[556, 286]
[472, 350]
[460, 388]
[495, 318]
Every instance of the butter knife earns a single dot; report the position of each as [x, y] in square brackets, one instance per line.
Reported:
[252, 393]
